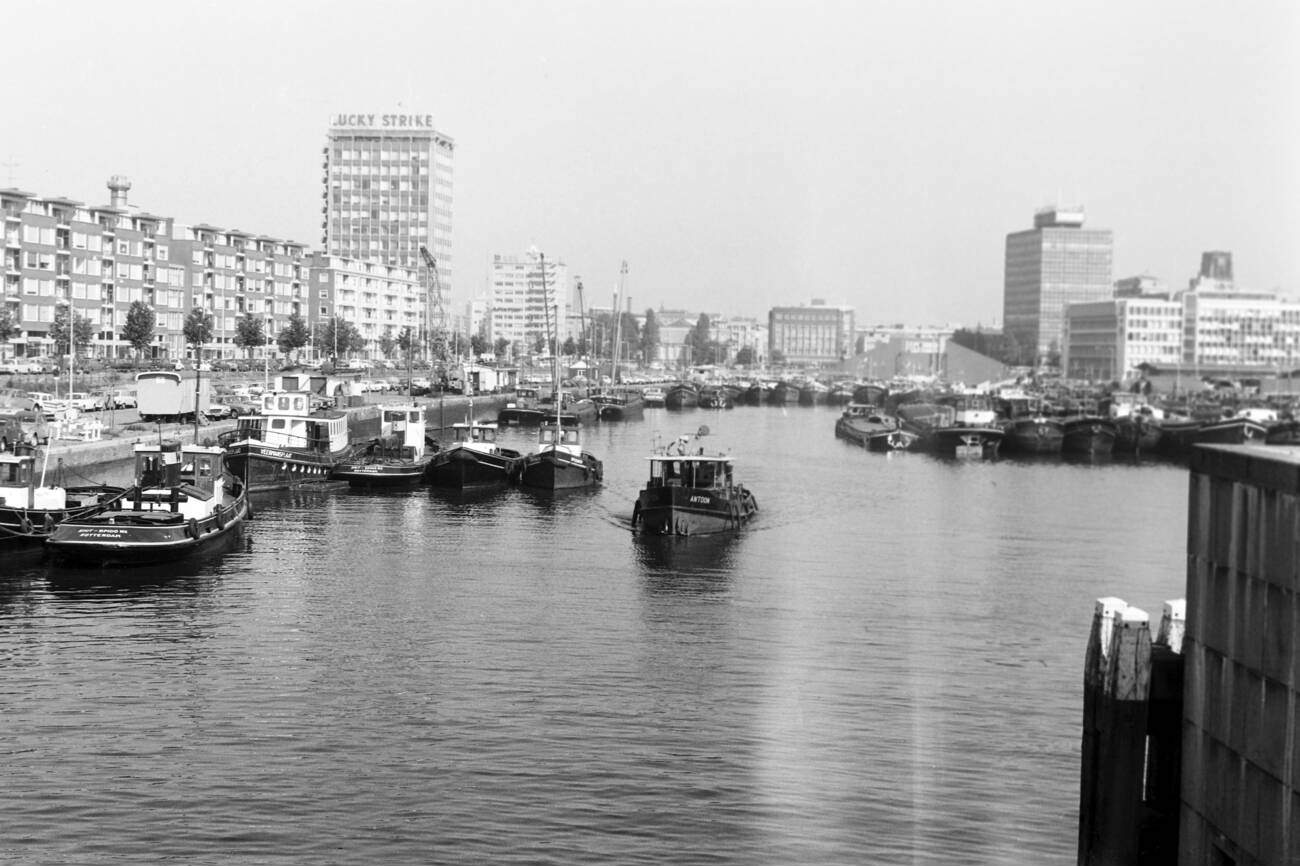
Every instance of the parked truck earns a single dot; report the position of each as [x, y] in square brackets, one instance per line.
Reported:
[163, 395]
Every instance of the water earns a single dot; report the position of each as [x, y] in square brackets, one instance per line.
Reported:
[885, 668]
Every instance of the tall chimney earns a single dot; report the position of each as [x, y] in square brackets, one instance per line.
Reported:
[117, 188]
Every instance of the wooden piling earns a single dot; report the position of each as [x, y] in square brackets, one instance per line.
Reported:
[1117, 678]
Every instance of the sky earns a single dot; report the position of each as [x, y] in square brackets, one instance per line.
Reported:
[738, 155]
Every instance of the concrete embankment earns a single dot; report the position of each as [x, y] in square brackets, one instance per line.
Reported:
[363, 423]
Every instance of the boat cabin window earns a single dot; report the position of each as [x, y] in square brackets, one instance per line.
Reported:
[413, 417]
[149, 469]
[279, 424]
[546, 435]
[484, 434]
[570, 437]
[16, 474]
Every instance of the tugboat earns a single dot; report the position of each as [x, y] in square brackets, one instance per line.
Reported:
[29, 511]
[182, 503]
[682, 395]
[398, 458]
[288, 444]
[559, 462]
[691, 493]
[474, 458]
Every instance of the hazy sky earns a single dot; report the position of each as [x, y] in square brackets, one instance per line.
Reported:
[737, 154]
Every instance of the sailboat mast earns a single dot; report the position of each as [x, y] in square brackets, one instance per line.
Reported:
[618, 321]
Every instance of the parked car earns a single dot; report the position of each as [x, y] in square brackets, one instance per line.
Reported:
[47, 403]
[231, 406]
[118, 399]
[22, 426]
[85, 402]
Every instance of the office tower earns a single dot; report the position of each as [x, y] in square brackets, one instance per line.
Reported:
[388, 192]
[1056, 263]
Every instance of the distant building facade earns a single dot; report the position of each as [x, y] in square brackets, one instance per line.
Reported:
[815, 334]
[101, 259]
[1056, 263]
[1212, 326]
[520, 310]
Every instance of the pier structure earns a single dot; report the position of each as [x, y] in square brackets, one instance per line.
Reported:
[1190, 751]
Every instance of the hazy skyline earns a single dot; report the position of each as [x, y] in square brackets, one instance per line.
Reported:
[737, 155]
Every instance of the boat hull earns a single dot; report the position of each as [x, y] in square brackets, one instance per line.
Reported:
[1232, 431]
[681, 397]
[30, 527]
[459, 468]
[117, 537]
[875, 436]
[1136, 435]
[692, 511]
[1033, 436]
[405, 473]
[977, 442]
[1089, 437]
[519, 416]
[631, 409]
[263, 467]
[549, 471]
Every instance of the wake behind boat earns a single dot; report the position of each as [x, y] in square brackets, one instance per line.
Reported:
[182, 503]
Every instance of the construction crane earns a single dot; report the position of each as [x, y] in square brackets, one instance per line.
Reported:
[435, 317]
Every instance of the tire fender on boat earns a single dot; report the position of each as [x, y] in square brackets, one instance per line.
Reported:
[636, 513]
[25, 524]
[49, 522]
[192, 529]
[221, 517]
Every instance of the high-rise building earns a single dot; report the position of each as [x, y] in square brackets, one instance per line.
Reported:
[521, 311]
[388, 192]
[1056, 263]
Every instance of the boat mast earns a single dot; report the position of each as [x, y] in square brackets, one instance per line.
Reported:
[555, 354]
[618, 323]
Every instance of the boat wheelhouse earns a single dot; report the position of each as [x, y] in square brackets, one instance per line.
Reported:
[289, 444]
[183, 502]
[559, 462]
[400, 457]
[691, 494]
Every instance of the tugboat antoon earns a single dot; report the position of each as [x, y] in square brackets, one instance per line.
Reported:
[691, 493]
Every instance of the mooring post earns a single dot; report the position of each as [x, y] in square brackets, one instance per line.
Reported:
[1164, 759]
[1116, 683]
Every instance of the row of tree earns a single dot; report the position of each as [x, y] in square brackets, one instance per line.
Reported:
[636, 341]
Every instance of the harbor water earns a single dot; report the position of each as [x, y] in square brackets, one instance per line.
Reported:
[885, 667]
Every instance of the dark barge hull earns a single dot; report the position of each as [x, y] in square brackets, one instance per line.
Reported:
[1033, 436]
[104, 541]
[397, 474]
[262, 467]
[460, 468]
[980, 442]
[1089, 437]
[547, 471]
[691, 511]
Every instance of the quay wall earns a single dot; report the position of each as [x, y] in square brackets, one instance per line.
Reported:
[363, 423]
[1241, 771]
[1190, 739]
